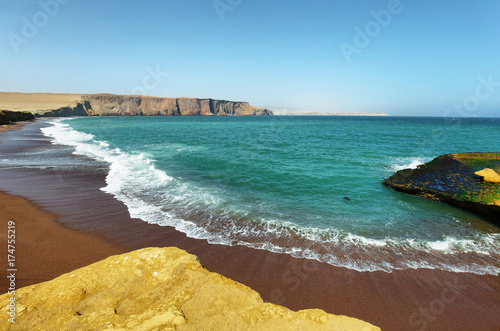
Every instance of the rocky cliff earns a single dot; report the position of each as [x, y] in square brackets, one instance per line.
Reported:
[7, 116]
[455, 179]
[109, 105]
[50, 105]
[155, 289]
[78, 108]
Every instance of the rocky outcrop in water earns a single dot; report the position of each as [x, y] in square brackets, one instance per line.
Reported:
[156, 289]
[7, 117]
[452, 179]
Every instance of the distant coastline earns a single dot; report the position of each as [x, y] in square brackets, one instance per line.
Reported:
[330, 114]
[64, 104]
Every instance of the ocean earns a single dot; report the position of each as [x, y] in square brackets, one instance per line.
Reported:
[307, 186]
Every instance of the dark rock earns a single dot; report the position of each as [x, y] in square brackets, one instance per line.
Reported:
[81, 108]
[7, 116]
[450, 179]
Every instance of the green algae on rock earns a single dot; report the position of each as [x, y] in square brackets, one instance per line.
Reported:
[452, 179]
[156, 289]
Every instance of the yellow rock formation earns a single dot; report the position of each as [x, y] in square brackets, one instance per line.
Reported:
[156, 289]
[489, 175]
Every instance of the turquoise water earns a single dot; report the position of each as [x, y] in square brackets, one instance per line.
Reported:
[279, 183]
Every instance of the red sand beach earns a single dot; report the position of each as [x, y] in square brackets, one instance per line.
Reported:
[67, 222]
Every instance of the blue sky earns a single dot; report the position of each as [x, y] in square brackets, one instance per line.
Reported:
[420, 57]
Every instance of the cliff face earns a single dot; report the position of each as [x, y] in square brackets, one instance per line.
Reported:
[80, 108]
[111, 105]
[452, 179]
[123, 105]
[156, 289]
[7, 116]
[53, 105]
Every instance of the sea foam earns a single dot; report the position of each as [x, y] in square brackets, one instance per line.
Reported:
[408, 163]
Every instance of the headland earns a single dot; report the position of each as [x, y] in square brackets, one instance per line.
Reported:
[56, 105]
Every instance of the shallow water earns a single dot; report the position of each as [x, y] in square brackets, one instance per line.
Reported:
[278, 183]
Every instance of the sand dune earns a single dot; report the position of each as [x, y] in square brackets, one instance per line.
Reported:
[36, 102]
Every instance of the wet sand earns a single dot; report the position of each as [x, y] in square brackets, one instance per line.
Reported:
[12, 126]
[43, 247]
[402, 300]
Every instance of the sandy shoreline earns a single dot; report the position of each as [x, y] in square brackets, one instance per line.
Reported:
[12, 126]
[44, 248]
[402, 300]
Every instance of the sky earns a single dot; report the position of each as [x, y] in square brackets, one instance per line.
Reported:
[406, 58]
